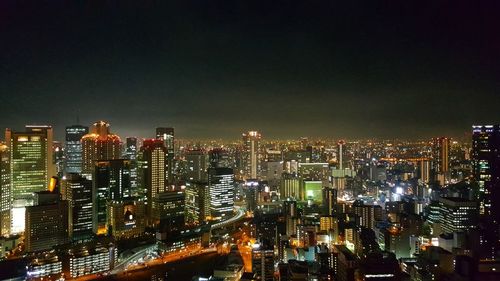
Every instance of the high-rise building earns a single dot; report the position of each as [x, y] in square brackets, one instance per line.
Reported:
[167, 136]
[131, 154]
[486, 168]
[486, 172]
[59, 158]
[131, 148]
[152, 177]
[31, 167]
[111, 181]
[251, 154]
[77, 190]
[46, 221]
[341, 154]
[219, 158]
[99, 144]
[441, 159]
[221, 186]
[425, 171]
[455, 214]
[366, 214]
[170, 210]
[73, 148]
[5, 191]
[197, 164]
[263, 261]
[290, 186]
[329, 201]
[197, 202]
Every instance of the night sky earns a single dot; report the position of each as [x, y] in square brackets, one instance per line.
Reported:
[213, 69]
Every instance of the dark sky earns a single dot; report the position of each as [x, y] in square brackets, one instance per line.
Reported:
[213, 69]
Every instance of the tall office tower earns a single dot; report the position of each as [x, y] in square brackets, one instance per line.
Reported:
[197, 202]
[152, 177]
[131, 154]
[221, 186]
[486, 168]
[77, 190]
[73, 148]
[425, 170]
[58, 150]
[341, 154]
[455, 214]
[170, 211]
[441, 159]
[197, 164]
[111, 181]
[46, 221]
[31, 167]
[99, 144]
[290, 186]
[486, 172]
[263, 261]
[219, 158]
[329, 201]
[251, 154]
[131, 148]
[366, 214]
[5, 192]
[167, 136]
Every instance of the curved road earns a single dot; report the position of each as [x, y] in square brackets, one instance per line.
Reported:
[240, 214]
[122, 265]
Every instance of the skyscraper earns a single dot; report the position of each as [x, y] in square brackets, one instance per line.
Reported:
[455, 214]
[263, 261]
[221, 186]
[486, 168]
[73, 148]
[486, 172]
[59, 158]
[131, 148]
[99, 144]
[170, 209]
[131, 154]
[341, 154]
[152, 177]
[219, 158]
[5, 191]
[329, 201]
[197, 164]
[441, 159]
[31, 167]
[77, 190]
[251, 154]
[167, 136]
[46, 221]
[424, 171]
[197, 202]
[111, 181]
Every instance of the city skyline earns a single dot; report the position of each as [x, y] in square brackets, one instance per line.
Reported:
[238, 140]
[149, 133]
[323, 69]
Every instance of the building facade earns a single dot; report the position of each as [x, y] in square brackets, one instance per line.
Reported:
[73, 148]
[99, 144]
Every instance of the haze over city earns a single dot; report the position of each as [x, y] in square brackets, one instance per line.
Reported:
[289, 69]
